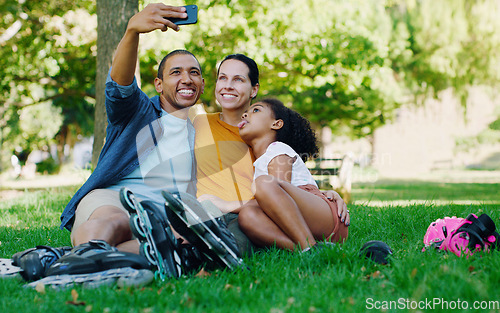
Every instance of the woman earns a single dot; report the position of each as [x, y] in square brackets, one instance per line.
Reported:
[225, 162]
[227, 181]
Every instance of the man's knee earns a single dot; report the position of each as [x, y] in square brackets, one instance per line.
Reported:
[107, 223]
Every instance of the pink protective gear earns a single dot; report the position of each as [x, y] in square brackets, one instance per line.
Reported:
[462, 236]
[439, 230]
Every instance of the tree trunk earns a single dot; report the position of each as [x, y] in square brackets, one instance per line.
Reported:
[112, 19]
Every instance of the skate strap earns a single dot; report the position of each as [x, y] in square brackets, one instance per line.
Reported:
[477, 230]
[92, 247]
[57, 252]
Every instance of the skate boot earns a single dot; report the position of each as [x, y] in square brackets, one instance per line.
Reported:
[208, 234]
[151, 227]
[34, 262]
[95, 256]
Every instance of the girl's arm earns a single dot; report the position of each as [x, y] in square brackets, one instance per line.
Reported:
[281, 167]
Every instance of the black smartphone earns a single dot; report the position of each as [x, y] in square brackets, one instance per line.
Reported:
[192, 16]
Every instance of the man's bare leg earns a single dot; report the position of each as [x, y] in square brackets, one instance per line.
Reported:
[110, 224]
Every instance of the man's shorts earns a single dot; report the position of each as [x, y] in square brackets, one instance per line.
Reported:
[91, 202]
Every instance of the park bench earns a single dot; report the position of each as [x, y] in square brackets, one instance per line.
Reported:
[444, 164]
[334, 172]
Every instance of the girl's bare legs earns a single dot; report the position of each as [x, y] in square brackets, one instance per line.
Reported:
[261, 230]
[300, 215]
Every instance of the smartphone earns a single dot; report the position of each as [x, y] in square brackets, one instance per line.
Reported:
[192, 16]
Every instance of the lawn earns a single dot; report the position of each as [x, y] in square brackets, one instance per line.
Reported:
[335, 280]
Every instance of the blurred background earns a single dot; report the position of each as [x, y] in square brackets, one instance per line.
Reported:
[406, 88]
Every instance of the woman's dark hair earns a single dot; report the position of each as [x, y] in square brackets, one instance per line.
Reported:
[296, 131]
[161, 68]
[253, 70]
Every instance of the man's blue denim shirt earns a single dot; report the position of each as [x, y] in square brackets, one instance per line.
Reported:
[129, 110]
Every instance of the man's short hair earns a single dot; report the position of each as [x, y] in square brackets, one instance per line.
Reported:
[161, 68]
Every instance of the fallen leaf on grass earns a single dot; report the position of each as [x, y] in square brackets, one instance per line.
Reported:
[349, 300]
[203, 273]
[444, 268]
[40, 288]
[229, 286]
[75, 302]
[375, 274]
[413, 273]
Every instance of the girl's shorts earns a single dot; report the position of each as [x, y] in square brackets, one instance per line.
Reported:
[340, 231]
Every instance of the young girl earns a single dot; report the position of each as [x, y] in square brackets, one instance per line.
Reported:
[288, 197]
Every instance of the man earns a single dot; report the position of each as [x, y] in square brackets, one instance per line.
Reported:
[149, 142]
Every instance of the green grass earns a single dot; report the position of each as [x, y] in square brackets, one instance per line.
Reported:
[335, 280]
[411, 190]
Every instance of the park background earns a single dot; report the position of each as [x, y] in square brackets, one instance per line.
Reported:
[410, 88]
[407, 87]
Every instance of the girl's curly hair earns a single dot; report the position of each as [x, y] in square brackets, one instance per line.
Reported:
[296, 131]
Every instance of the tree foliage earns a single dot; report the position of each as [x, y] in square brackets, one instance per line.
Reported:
[47, 55]
[448, 44]
[344, 64]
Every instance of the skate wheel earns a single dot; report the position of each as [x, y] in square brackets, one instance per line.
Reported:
[232, 262]
[135, 226]
[216, 246]
[198, 228]
[147, 251]
[172, 202]
[126, 198]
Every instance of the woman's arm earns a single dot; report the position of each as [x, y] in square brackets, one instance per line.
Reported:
[342, 210]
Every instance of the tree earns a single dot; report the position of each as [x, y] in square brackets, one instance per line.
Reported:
[446, 44]
[347, 65]
[46, 55]
[113, 16]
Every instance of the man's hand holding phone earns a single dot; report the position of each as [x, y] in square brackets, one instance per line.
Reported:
[160, 16]
[192, 16]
